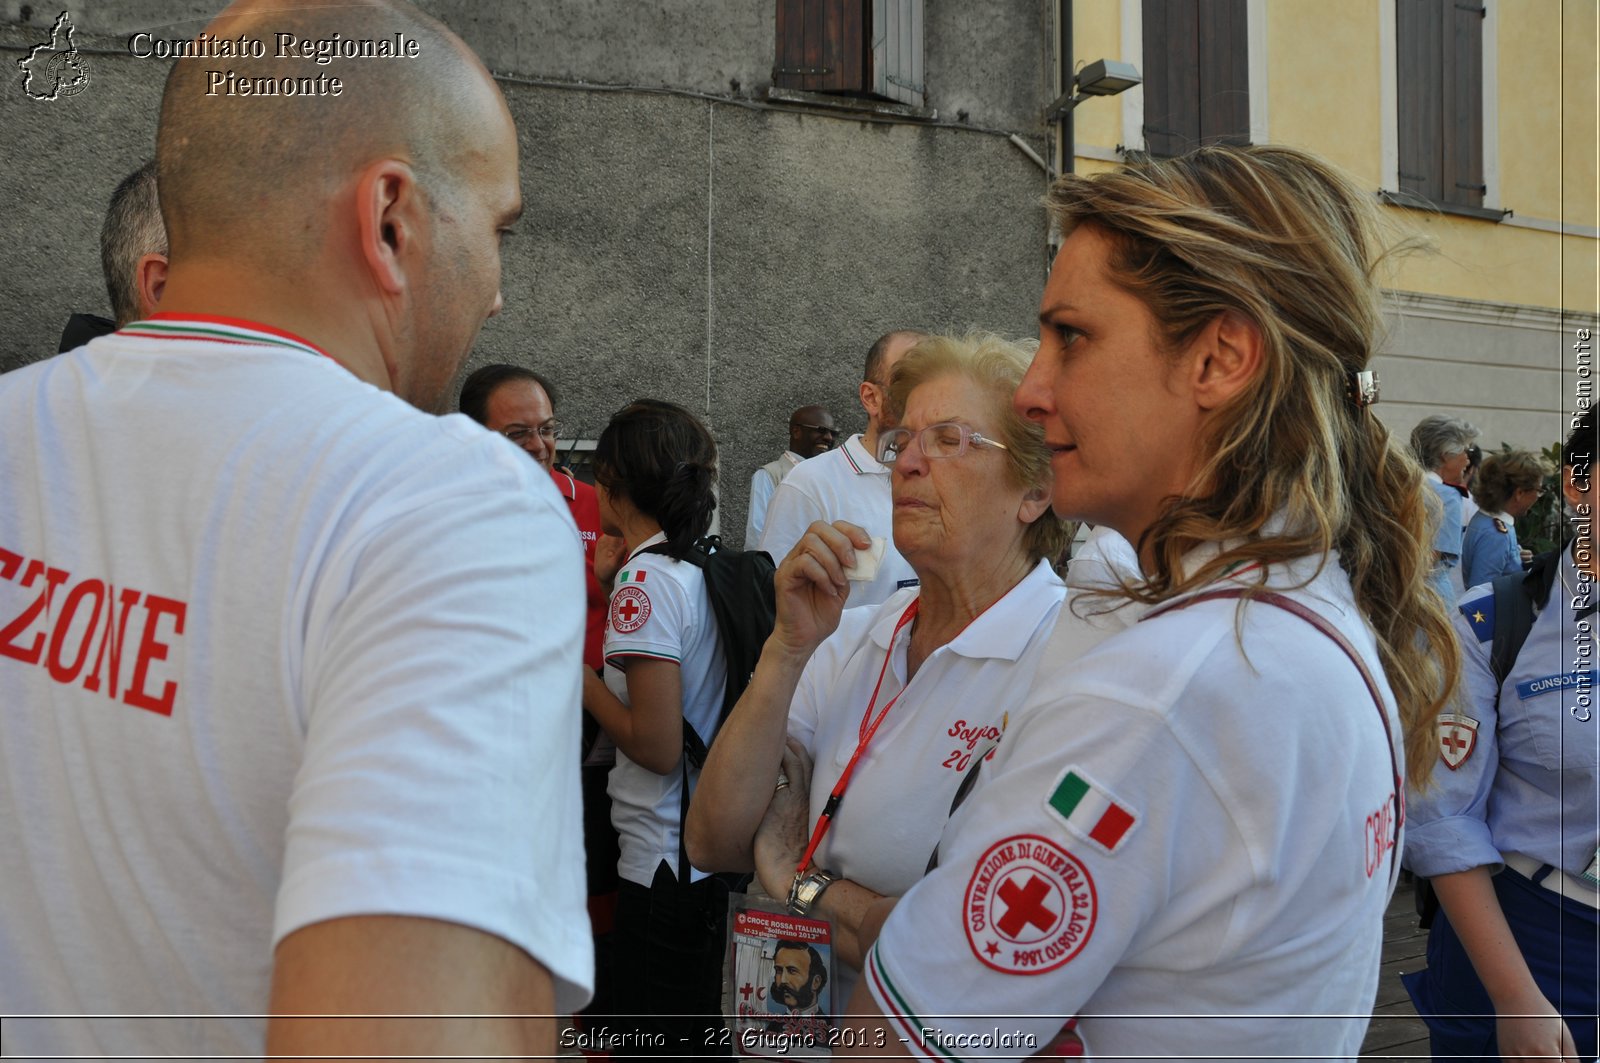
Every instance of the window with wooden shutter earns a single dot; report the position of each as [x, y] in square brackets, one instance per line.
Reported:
[1439, 83]
[851, 47]
[1196, 74]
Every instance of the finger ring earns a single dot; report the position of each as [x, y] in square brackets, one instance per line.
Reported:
[783, 780]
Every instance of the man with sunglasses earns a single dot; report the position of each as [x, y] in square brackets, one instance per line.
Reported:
[811, 432]
[849, 483]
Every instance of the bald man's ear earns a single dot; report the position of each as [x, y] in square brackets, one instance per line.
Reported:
[149, 281]
[390, 217]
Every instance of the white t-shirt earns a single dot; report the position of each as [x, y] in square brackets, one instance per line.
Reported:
[844, 484]
[660, 611]
[947, 719]
[309, 653]
[1171, 827]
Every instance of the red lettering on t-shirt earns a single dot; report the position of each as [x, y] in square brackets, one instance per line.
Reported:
[110, 651]
[54, 577]
[92, 618]
[151, 650]
[61, 630]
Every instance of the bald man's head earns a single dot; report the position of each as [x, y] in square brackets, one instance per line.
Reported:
[404, 179]
[256, 169]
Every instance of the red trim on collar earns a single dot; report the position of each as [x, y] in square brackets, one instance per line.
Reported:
[236, 322]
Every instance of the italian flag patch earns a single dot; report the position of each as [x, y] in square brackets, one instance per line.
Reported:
[632, 576]
[1089, 810]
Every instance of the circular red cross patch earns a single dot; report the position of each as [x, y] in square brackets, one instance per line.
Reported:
[630, 608]
[1030, 906]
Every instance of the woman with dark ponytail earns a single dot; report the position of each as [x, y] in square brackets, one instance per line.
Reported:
[654, 468]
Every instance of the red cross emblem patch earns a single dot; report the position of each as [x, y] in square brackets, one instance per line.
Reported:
[1458, 736]
[1030, 906]
[630, 608]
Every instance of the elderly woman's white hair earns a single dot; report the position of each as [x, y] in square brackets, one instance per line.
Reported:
[1439, 436]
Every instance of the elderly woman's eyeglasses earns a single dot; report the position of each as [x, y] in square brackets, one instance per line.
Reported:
[520, 433]
[947, 439]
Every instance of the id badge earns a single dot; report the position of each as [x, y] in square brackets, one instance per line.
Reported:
[776, 981]
[1591, 874]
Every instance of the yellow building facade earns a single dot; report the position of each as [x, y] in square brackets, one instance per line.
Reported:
[1492, 324]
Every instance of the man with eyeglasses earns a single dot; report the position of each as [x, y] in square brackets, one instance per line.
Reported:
[849, 483]
[811, 432]
[520, 405]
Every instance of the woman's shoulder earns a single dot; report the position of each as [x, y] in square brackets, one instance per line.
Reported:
[658, 572]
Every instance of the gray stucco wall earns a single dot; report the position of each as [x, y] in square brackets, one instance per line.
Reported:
[724, 253]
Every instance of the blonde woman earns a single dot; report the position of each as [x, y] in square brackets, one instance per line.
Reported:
[1200, 816]
[1508, 486]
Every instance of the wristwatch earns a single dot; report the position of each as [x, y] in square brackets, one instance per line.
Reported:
[807, 888]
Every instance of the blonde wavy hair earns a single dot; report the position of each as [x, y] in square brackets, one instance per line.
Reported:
[997, 366]
[1287, 241]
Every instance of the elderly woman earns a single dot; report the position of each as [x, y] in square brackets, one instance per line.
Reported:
[894, 703]
[1508, 486]
[1441, 444]
[1199, 816]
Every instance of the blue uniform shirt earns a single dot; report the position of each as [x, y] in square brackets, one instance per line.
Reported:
[1525, 763]
[1488, 551]
[1446, 538]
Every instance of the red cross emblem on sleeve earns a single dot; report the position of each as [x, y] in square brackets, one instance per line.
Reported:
[1458, 736]
[1030, 906]
[630, 608]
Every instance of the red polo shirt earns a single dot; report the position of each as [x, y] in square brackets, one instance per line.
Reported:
[586, 511]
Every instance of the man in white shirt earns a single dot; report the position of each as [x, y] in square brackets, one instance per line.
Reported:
[811, 432]
[289, 669]
[849, 483]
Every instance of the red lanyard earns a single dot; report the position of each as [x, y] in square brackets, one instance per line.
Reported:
[869, 727]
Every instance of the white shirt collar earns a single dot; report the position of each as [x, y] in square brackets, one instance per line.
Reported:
[658, 537]
[1002, 631]
[856, 455]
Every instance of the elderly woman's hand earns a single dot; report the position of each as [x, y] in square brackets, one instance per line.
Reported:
[781, 839]
[812, 586]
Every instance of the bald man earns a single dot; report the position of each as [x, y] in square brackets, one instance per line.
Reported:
[849, 483]
[811, 432]
[289, 669]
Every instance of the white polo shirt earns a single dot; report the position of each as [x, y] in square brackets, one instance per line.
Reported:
[947, 719]
[1172, 826]
[660, 611]
[846, 483]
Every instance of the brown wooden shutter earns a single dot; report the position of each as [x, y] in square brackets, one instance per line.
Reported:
[819, 45]
[1224, 68]
[1439, 81]
[1171, 82]
[851, 46]
[1463, 105]
[1419, 80]
[1196, 76]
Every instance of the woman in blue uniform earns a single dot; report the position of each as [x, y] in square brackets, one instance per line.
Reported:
[1508, 485]
[1509, 829]
[1441, 444]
